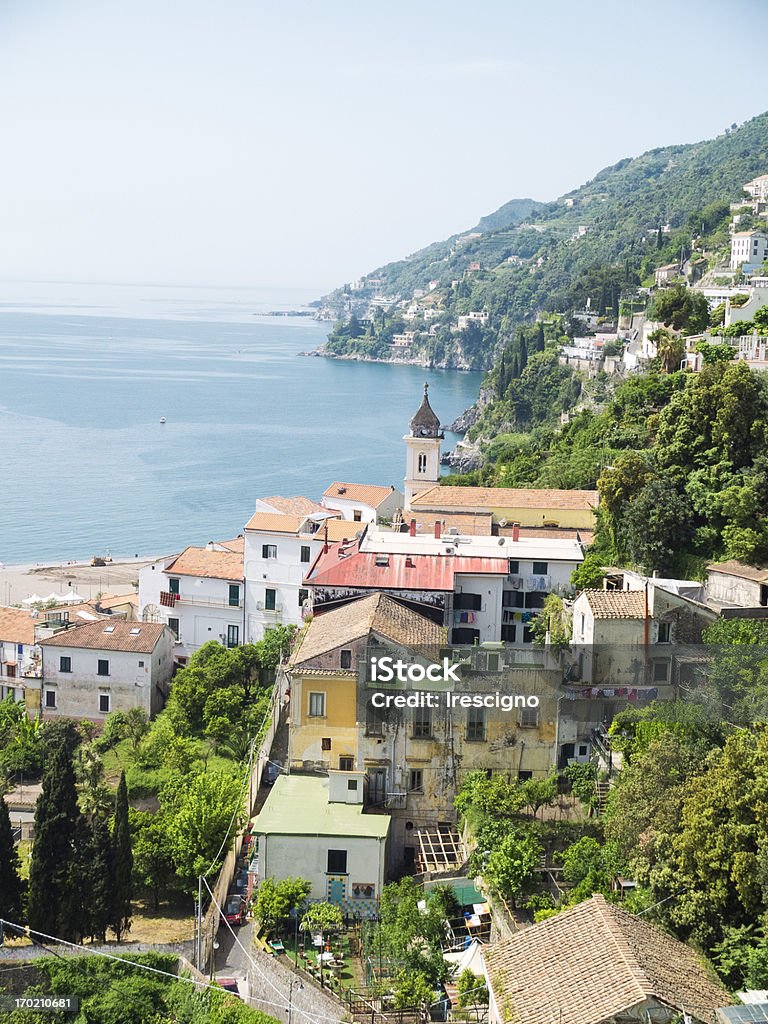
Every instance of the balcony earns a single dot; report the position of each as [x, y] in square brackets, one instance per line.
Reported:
[204, 602]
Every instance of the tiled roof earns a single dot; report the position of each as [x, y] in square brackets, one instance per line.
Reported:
[396, 571]
[17, 626]
[367, 494]
[616, 604]
[274, 522]
[115, 600]
[594, 962]
[338, 530]
[439, 497]
[110, 635]
[204, 562]
[475, 523]
[355, 620]
[237, 544]
[745, 572]
[295, 506]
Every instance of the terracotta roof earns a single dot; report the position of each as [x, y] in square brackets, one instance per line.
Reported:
[204, 562]
[734, 568]
[504, 497]
[338, 529]
[17, 626]
[367, 494]
[111, 635]
[378, 613]
[475, 523]
[115, 600]
[593, 962]
[274, 522]
[295, 506]
[551, 533]
[377, 571]
[616, 604]
[236, 544]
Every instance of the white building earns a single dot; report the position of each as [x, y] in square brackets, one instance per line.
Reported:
[104, 666]
[758, 188]
[749, 250]
[198, 594]
[422, 465]
[19, 654]
[362, 503]
[319, 824]
[279, 550]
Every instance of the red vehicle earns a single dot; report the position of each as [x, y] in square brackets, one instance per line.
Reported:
[234, 909]
[229, 985]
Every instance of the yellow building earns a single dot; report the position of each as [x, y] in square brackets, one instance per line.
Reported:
[526, 506]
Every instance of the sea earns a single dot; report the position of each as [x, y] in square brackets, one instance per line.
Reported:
[88, 374]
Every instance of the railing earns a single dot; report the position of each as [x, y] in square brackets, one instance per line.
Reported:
[208, 602]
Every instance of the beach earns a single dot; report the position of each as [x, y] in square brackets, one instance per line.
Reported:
[18, 582]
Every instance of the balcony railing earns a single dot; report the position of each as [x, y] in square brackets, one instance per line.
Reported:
[207, 602]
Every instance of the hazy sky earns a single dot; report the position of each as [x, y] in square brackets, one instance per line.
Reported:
[304, 143]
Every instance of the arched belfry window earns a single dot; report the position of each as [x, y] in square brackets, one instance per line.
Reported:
[422, 462]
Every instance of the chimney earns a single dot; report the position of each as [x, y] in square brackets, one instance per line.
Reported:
[412, 528]
[438, 529]
[516, 531]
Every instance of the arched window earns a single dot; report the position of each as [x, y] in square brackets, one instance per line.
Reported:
[422, 462]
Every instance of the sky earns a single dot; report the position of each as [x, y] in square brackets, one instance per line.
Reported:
[302, 143]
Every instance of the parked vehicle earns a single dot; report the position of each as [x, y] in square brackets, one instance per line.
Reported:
[229, 985]
[271, 772]
[234, 909]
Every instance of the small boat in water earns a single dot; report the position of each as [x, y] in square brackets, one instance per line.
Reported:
[162, 419]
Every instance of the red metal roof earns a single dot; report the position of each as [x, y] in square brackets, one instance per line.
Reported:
[402, 572]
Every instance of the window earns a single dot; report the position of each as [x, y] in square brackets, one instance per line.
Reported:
[763, 595]
[269, 550]
[233, 636]
[173, 625]
[234, 595]
[583, 750]
[540, 568]
[514, 567]
[351, 785]
[173, 586]
[303, 596]
[529, 718]
[10, 671]
[65, 664]
[476, 725]
[141, 664]
[665, 632]
[374, 720]
[346, 659]
[337, 862]
[523, 775]
[422, 462]
[357, 516]
[269, 599]
[104, 703]
[422, 723]
[660, 671]
[346, 764]
[508, 634]
[102, 668]
[305, 554]
[50, 698]
[467, 602]
[512, 599]
[528, 635]
[326, 743]
[317, 705]
[416, 780]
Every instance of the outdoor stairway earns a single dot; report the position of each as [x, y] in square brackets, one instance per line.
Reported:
[602, 788]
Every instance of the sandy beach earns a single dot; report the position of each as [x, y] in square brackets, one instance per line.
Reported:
[18, 582]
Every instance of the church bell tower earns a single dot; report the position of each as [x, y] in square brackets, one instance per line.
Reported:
[422, 464]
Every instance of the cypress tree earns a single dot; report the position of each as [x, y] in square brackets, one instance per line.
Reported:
[122, 888]
[56, 817]
[100, 870]
[11, 886]
[540, 337]
[76, 905]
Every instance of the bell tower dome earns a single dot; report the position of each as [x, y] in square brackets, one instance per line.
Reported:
[422, 460]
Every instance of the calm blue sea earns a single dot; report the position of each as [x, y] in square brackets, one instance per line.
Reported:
[87, 373]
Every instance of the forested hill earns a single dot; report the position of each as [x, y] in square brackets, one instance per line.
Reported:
[599, 241]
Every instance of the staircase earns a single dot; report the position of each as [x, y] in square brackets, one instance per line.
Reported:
[602, 788]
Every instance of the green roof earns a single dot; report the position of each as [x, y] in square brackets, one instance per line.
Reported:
[298, 806]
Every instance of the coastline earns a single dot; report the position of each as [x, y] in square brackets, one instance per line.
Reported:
[425, 364]
[18, 582]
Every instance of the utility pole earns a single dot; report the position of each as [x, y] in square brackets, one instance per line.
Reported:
[199, 956]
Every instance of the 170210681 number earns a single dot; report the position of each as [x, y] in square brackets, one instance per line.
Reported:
[40, 1003]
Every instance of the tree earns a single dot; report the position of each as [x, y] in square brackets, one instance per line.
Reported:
[590, 867]
[590, 574]
[122, 860]
[471, 989]
[711, 353]
[11, 886]
[680, 308]
[275, 900]
[657, 525]
[510, 865]
[153, 867]
[670, 348]
[53, 853]
[100, 880]
[200, 810]
[537, 793]
[411, 990]
[322, 917]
